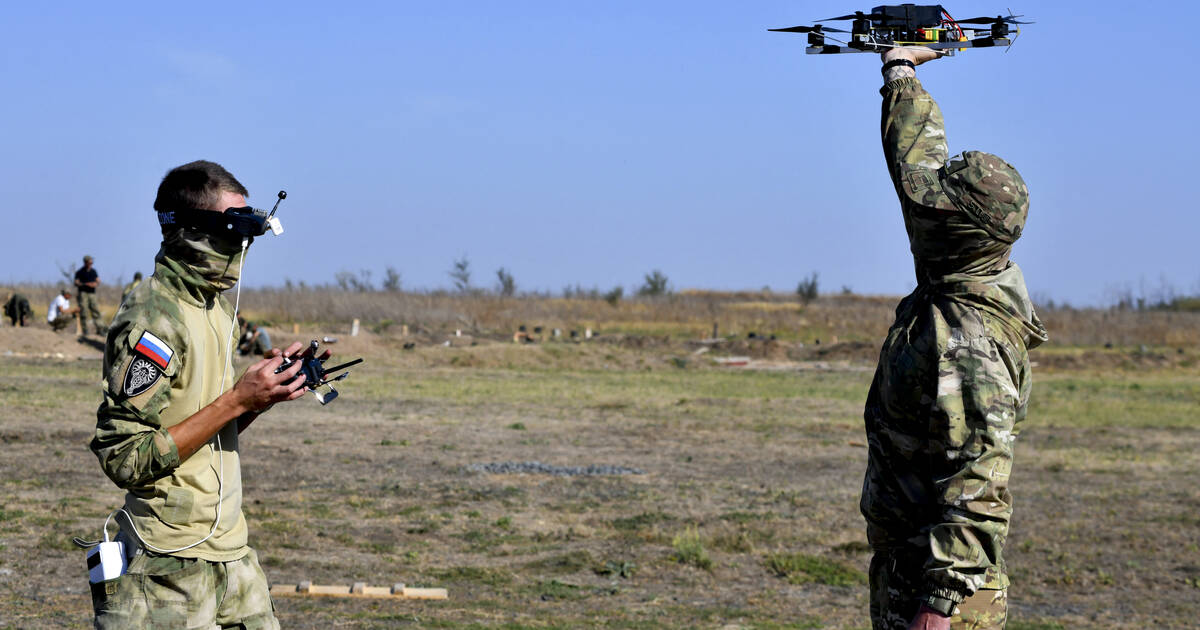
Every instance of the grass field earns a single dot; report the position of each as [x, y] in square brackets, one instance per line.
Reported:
[744, 516]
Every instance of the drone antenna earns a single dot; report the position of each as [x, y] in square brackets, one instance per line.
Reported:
[343, 366]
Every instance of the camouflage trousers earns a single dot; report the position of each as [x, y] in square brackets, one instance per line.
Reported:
[63, 320]
[165, 592]
[89, 310]
[895, 593]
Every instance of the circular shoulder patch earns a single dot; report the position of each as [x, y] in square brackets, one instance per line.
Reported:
[139, 376]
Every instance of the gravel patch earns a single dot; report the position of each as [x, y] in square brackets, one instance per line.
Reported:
[538, 468]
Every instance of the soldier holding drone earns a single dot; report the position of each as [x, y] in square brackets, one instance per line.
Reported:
[953, 381]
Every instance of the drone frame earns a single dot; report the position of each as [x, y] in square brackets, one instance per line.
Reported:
[891, 26]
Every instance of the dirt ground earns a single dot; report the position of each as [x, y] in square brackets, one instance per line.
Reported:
[744, 513]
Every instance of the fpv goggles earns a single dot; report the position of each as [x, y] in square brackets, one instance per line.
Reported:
[244, 221]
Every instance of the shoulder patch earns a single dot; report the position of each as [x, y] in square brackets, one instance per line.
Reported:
[922, 186]
[154, 349]
[139, 376]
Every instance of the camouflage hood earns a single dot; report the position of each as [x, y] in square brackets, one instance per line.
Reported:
[990, 191]
[963, 217]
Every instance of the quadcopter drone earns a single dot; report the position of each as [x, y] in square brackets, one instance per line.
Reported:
[927, 25]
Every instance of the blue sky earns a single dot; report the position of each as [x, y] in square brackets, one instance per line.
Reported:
[586, 142]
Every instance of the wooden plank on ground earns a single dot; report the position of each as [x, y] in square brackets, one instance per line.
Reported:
[358, 589]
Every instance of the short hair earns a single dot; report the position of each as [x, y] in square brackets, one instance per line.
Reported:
[195, 185]
[137, 275]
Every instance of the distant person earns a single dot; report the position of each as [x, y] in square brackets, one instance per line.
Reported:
[86, 281]
[61, 313]
[243, 334]
[17, 309]
[953, 380]
[137, 279]
[255, 340]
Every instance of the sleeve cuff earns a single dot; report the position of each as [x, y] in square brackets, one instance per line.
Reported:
[899, 84]
[166, 451]
[942, 600]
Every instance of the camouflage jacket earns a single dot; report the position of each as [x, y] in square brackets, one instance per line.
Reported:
[166, 353]
[17, 306]
[953, 379]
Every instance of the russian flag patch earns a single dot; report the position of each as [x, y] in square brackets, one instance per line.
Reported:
[154, 349]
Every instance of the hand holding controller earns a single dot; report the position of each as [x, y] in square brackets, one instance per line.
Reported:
[314, 372]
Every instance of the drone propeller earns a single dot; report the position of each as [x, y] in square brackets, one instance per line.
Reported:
[818, 28]
[1010, 19]
[858, 15]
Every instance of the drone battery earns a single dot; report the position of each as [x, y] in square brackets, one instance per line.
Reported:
[909, 16]
[106, 561]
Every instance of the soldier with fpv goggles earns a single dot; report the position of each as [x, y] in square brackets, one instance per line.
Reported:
[167, 429]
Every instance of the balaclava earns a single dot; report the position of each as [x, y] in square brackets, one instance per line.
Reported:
[214, 259]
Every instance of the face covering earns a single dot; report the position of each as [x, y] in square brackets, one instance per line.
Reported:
[217, 260]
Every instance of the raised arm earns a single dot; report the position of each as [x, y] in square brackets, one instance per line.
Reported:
[911, 123]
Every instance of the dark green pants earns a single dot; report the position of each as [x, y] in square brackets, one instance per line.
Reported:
[63, 320]
[89, 310]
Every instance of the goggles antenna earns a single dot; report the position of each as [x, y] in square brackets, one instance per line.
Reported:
[282, 196]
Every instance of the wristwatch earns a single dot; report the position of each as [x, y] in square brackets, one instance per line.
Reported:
[897, 62]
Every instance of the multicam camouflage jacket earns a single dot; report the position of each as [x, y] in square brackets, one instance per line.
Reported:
[953, 379]
[166, 357]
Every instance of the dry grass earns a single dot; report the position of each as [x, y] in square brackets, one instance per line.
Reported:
[746, 515]
[685, 315]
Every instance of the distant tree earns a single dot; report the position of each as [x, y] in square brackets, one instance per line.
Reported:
[614, 295]
[656, 284]
[505, 284]
[391, 279]
[807, 289]
[461, 274]
[67, 272]
[349, 281]
[344, 279]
